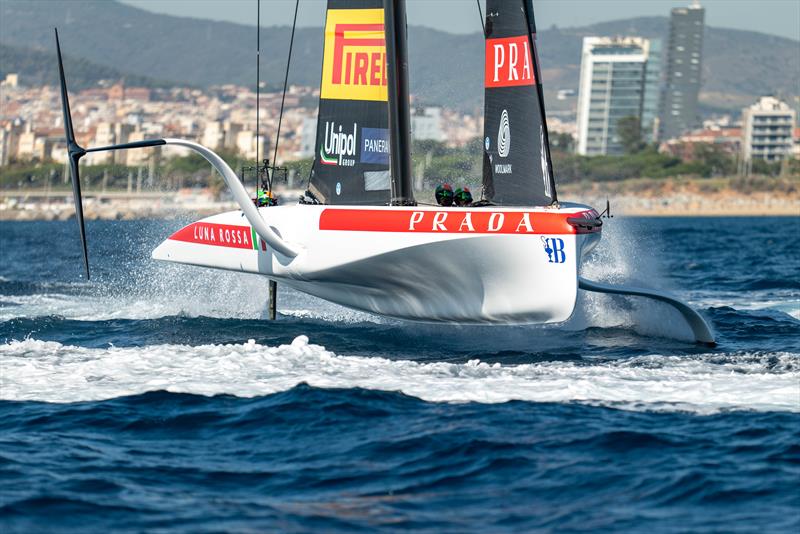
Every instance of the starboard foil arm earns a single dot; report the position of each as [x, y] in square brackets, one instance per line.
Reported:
[700, 330]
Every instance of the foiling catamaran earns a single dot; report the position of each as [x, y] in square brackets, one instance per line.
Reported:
[359, 238]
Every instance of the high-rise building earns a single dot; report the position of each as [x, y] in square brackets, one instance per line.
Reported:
[619, 79]
[652, 92]
[426, 124]
[308, 137]
[767, 131]
[683, 71]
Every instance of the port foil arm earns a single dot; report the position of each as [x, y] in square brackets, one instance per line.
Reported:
[700, 330]
[75, 152]
[241, 197]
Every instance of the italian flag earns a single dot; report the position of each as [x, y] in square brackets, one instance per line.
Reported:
[255, 240]
[325, 159]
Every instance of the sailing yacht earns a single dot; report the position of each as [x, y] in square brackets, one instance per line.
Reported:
[359, 238]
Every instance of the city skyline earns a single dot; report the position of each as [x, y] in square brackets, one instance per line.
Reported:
[619, 79]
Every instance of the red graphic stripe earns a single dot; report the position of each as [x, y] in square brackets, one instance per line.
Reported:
[219, 235]
[452, 221]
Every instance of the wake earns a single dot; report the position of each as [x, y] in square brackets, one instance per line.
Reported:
[704, 384]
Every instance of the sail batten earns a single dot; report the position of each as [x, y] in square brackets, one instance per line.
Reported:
[517, 164]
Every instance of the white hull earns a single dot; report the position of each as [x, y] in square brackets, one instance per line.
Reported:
[463, 265]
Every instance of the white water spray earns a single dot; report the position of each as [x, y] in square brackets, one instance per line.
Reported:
[703, 384]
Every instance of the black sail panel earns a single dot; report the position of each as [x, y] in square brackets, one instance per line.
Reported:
[352, 149]
[517, 168]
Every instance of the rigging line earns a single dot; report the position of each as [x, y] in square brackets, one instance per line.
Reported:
[480, 13]
[283, 98]
[483, 27]
[258, 84]
[527, 8]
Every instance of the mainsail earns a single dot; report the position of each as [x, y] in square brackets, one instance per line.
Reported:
[517, 169]
[352, 150]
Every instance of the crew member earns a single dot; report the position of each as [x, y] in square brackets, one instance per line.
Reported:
[463, 196]
[265, 198]
[444, 195]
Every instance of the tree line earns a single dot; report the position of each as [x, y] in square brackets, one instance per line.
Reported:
[433, 162]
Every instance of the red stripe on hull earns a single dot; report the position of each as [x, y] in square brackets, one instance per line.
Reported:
[452, 221]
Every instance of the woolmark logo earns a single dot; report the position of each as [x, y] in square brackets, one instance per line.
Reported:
[504, 136]
[354, 60]
[503, 144]
[338, 147]
[508, 62]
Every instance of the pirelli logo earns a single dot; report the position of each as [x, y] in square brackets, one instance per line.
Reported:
[354, 62]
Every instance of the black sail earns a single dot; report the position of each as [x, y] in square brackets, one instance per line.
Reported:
[352, 150]
[517, 169]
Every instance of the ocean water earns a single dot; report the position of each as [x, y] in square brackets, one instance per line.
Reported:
[157, 398]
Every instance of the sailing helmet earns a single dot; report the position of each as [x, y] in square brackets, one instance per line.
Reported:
[463, 196]
[444, 194]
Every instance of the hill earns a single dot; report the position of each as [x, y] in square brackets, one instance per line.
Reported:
[445, 68]
[738, 66]
[36, 68]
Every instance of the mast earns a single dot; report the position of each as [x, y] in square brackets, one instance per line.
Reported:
[399, 113]
[517, 167]
[530, 20]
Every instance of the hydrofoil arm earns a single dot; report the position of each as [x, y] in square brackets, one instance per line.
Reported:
[702, 333]
[241, 197]
[76, 152]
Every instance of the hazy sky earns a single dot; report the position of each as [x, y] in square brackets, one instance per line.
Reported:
[777, 17]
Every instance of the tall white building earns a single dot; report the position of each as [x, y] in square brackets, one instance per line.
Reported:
[308, 137]
[426, 124]
[249, 145]
[213, 135]
[767, 131]
[619, 78]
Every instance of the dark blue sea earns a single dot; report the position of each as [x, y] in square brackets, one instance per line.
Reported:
[157, 397]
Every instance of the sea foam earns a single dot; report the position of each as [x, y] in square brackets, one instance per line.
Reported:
[36, 370]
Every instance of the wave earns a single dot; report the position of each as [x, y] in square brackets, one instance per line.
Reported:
[37, 370]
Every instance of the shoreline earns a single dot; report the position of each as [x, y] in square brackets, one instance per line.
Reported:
[41, 206]
[697, 206]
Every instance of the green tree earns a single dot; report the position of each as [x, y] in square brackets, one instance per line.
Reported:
[562, 142]
[766, 168]
[714, 158]
[629, 131]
